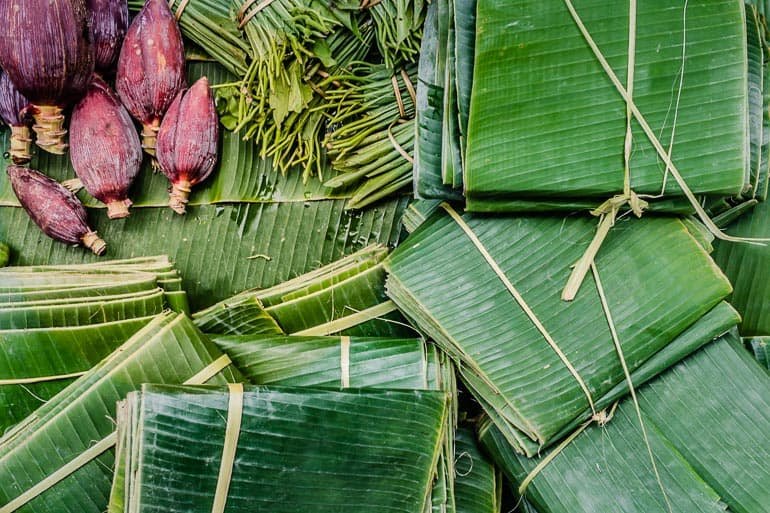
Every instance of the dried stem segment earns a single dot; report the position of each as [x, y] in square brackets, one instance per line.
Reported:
[21, 140]
[49, 127]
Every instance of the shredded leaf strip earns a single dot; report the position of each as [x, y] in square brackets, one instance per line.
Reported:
[233, 430]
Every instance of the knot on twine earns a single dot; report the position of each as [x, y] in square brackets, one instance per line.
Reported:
[613, 205]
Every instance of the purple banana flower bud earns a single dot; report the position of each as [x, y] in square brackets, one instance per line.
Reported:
[109, 22]
[106, 152]
[187, 141]
[12, 102]
[46, 49]
[53, 208]
[151, 68]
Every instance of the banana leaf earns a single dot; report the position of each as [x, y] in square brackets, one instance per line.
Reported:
[298, 449]
[746, 266]
[607, 469]
[721, 394]
[758, 346]
[548, 125]
[36, 364]
[345, 297]
[478, 483]
[4, 254]
[359, 362]
[657, 282]
[710, 411]
[266, 244]
[60, 458]
[417, 212]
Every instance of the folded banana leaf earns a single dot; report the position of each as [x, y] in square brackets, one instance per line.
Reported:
[297, 449]
[345, 297]
[746, 266]
[359, 362]
[60, 458]
[487, 290]
[478, 483]
[710, 414]
[417, 212]
[758, 346]
[36, 364]
[547, 123]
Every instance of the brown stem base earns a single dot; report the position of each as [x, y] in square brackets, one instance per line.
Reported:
[21, 144]
[150, 136]
[94, 243]
[178, 196]
[118, 209]
[49, 127]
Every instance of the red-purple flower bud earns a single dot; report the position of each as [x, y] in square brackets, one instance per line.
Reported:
[187, 141]
[47, 51]
[53, 208]
[105, 151]
[109, 22]
[12, 102]
[151, 68]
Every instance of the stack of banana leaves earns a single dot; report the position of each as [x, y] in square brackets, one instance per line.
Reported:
[309, 364]
[60, 458]
[488, 291]
[695, 440]
[57, 322]
[569, 104]
[344, 297]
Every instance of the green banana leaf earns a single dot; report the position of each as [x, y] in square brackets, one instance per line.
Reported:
[298, 449]
[464, 14]
[746, 266]
[72, 434]
[417, 212]
[758, 346]
[221, 250]
[478, 483]
[547, 123]
[657, 281]
[709, 414]
[4, 254]
[607, 469]
[42, 361]
[757, 66]
[345, 297]
[722, 394]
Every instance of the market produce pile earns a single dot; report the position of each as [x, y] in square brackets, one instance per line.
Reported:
[396, 255]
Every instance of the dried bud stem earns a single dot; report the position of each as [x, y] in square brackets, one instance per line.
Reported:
[178, 197]
[49, 127]
[118, 209]
[74, 185]
[21, 141]
[94, 243]
[150, 136]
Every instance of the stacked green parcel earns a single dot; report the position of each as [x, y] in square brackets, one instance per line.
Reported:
[60, 458]
[57, 322]
[706, 422]
[345, 297]
[487, 290]
[561, 104]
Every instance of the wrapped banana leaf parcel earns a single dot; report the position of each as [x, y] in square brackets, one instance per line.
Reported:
[277, 449]
[706, 422]
[487, 290]
[358, 362]
[344, 297]
[574, 103]
[60, 458]
[57, 322]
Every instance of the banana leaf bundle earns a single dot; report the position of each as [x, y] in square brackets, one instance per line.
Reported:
[746, 266]
[487, 290]
[60, 457]
[553, 130]
[285, 449]
[345, 297]
[706, 420]
[358, 362]
[478, 483]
